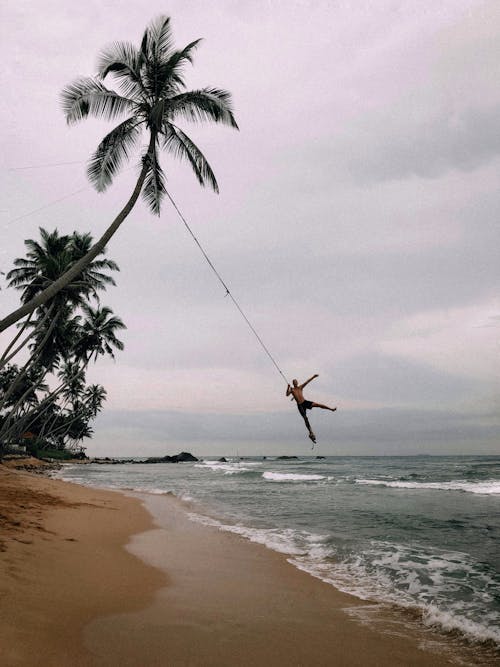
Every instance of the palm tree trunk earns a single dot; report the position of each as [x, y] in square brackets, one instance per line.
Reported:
[65, 427]
[5, 359]
[14, 340]
[22, 373]
[49, 423]
[97, 248]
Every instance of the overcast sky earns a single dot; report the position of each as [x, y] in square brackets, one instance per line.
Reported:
[357, 222]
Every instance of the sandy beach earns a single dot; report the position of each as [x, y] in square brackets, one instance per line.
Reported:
[92, 577]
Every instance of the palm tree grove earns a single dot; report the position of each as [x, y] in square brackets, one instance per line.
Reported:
[61, 325]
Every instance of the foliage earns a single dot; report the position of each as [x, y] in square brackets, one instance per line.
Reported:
[46, 404]
[152, 95]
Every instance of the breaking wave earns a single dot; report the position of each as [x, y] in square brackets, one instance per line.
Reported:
[486, 487]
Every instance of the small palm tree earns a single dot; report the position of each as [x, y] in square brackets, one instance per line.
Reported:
[94, 397]
[152, 97]
[97, 333]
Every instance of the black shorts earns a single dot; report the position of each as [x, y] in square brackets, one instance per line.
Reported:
[305, 405]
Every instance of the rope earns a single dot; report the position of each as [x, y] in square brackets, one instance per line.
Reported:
[42, 208]
[228, 293]
[42, 166]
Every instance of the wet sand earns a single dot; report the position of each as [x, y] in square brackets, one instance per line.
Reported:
[180, 594]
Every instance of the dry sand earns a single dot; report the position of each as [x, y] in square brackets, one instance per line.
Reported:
[62, 564]
[72, 595]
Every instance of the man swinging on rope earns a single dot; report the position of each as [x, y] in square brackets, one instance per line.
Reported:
[304, 405]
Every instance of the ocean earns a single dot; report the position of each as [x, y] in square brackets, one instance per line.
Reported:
[418, 533]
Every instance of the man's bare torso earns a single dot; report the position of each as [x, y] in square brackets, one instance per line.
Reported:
[297, 394]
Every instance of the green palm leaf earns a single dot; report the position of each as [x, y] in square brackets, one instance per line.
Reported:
[205, 104]
[182, 146]
[157, 39]
[87, 96]
[170, 72]
[151, 79]
[154, 184]
[111, 152]
[123, 61]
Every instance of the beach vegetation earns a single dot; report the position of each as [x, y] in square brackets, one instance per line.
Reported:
[45, 403]
[151, 98]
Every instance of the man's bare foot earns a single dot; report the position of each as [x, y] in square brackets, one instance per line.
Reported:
[333, 409]
[312, 437]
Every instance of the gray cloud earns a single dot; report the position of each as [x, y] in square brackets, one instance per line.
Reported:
[364, 432]
[395, 145]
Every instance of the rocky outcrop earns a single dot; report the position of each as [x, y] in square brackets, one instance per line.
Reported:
[286, 458]
[107, 460]
[177, 458]
[29, 464]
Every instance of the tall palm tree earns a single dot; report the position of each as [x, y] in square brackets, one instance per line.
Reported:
[152, 97]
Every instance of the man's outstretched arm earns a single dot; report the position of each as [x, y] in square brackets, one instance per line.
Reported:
[307, 381]
[288, 391]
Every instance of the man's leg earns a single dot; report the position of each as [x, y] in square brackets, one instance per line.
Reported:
[306, 420]
[308, 425]
[325, 407]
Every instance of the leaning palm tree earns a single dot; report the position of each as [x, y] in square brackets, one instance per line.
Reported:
[151, 98]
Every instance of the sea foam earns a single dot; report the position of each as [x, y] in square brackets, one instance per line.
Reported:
[385, 572]
[486, 487]
[286, 541]
[291, 477]
[229, 467]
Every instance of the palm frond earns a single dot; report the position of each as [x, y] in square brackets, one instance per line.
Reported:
[87, 96]
[111, 152]
[178, 143]
[158, 50]
[205, 104]
[159, 37]
[99, 264]
[153, 190]
[99, 281]
[123, 61]
[170, 75]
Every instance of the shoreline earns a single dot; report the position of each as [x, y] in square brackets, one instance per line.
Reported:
[72, 593]
[63, 563]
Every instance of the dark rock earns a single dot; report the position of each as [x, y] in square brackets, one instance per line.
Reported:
[320, 457]
[222, 459]
[177, 458]
[286, 458]
[112, 462]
